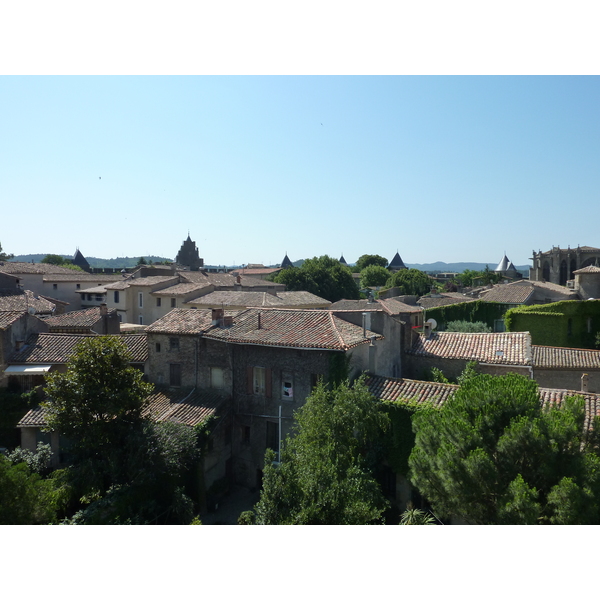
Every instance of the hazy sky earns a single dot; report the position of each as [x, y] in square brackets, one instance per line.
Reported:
[439, 168]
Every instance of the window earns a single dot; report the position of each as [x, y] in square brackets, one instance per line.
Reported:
[99, 298]
[175, 375]
[174, 343]
[216, 378]
[78, 286]
[55, 286]
[258, 384]
[273, 436]
[89, 297]
[116, 297]
[173, 303]
[287, 386]
[158, 346]
[246, 435]
[158, 302]
[140, 299]
[141, 320]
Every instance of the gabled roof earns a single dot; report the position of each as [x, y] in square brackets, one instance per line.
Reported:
[388, 388]
[175, 406]
[401, 390]
[302, 328]
[512, 348]
[57, 348]
[550, 357]
[588, 269]
[7, 318]
[509, 293]
[26, 268]
[396, 263]
[446, 299]
[25, 300]
[86, 317]
[183, 406]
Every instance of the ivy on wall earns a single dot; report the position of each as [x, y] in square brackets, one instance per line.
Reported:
[567, 324]
[485, 312]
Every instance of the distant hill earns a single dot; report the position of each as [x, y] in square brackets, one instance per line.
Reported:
[443, 267]
[121, 262]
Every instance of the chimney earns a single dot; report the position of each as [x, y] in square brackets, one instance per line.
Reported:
[364, 320]
[103, 310]
[217, 316]
[238, 279]
[427, 330]
[258, 320]
[584, 382]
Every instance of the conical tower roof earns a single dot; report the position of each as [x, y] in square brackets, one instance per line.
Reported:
[343, 260]
[396, 263]
[286, 263]
[503, 265]
[80, 260]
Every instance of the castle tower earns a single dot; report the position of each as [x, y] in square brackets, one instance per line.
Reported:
[188, 255]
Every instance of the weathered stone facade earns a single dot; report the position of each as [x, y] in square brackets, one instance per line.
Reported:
[557, 266]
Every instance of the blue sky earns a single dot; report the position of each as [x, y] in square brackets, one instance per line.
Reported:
[437, 167]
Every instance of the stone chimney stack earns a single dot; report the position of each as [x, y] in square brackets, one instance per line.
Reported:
[584, 382]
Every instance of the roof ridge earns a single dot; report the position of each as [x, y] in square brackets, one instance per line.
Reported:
[332, 317]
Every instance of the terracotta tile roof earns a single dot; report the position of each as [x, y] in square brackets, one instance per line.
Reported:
[7, 318]
[395, 307]
[494, 348]
[302, 298]
[184, 321]
[176, 406]
[301, 328]
[256, 271]
[153, 280]
[234, 298]
[181, 289]
[387, 388]
[549, 357]
[24, 300]
[25, 268]
[509, 293]
[181, 406]
[354, 305]
[99, 289]
[86, 317]
[122, 284]
[97, 278]
[588, 269]
[428, 302]
[57, 348]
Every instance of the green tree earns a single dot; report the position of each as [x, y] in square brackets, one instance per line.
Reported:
[4, 256]
[26, 498]
[411, 282]
[468, 327]
[125, 469]
[492, 455]
[142, 261]
[325, 475]
[56, 259]
[322, 276]
[367, 260]
[373, 275]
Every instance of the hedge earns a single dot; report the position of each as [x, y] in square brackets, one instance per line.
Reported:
[567, 324]
[485, 312]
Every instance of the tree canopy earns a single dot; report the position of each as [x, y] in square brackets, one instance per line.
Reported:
[410, 281]
[325, 475]
[367, 260]
[4, 256]
[323, 276]
[492, 455]
[124, 468]
[56, 259]
[373, 276]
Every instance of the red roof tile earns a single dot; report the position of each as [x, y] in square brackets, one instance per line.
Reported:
[550, 357]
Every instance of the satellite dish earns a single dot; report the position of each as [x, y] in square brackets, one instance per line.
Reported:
[433, 323]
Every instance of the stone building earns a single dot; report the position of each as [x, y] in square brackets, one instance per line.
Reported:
[188, 255]
[559, 266]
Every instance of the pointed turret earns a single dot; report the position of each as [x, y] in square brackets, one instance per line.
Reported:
[286, 263]
[343, 260]
[188, 255]
[396, 264]
[503, 265]
[80, 261]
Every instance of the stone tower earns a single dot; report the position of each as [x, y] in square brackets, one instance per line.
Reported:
[188, 255]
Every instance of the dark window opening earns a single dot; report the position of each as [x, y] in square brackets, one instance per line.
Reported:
[158, 302]
[157, 346]
[175, 375]
[174, 343]
[173, 303]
